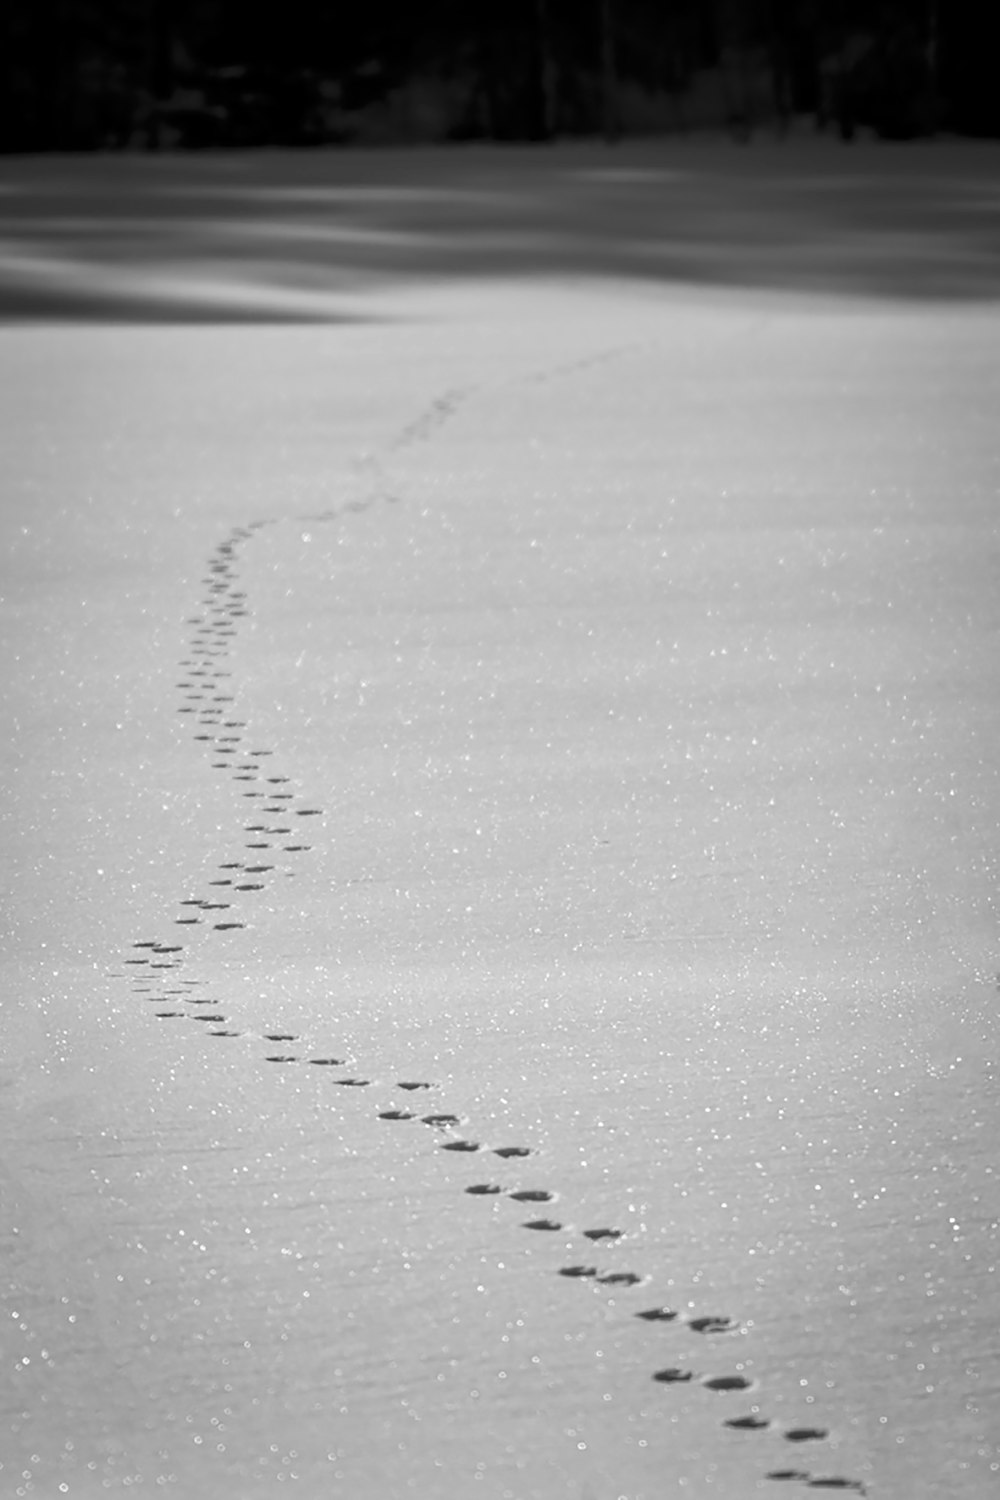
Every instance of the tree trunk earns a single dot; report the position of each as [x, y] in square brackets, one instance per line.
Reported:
[546, 71]
[610, 119]
[160, 68]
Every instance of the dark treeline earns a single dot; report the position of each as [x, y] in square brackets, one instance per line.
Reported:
[153, 74]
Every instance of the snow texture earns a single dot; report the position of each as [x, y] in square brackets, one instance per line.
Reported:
[501, 850]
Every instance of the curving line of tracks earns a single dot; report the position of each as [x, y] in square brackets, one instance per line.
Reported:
[281, 821]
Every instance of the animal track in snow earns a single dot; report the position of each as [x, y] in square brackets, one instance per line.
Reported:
[211, 641]
[712, 1324]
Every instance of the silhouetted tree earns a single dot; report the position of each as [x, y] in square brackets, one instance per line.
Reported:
[610, 118]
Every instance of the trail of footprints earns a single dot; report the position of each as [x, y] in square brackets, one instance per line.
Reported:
[274, 831]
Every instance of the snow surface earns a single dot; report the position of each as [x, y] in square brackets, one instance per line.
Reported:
[637, 639]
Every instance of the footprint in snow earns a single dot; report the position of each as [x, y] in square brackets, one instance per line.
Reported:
[712, 1324]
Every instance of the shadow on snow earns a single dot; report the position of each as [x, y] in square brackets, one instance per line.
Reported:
[292, 236]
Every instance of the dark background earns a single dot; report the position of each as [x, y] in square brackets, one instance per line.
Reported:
[84, 75]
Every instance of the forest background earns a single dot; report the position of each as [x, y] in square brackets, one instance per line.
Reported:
[99, 75]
